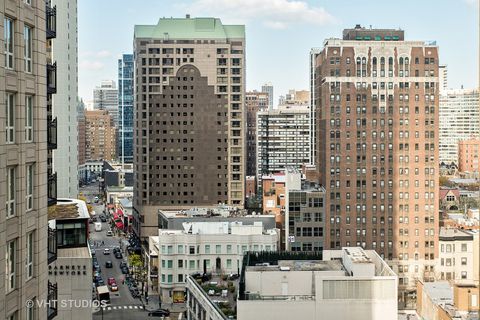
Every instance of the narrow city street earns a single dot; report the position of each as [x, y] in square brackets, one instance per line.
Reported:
[122, 304]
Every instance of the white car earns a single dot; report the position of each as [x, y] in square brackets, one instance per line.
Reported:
[109, 233]
[106, 251]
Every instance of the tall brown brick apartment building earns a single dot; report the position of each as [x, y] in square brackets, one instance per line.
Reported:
[376, 104]
[254, 101]
[189, 117]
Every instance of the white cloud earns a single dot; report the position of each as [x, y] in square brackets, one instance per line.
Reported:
[103, 54]
[471, 2]
[276, 14]
[90, 65]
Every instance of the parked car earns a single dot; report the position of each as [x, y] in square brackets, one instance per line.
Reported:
[118, 255]
[159, 313]
[106, 251]
[103, 219]
[109, 233]
[100, 282]
[124, 270]
[116, 249]
[111, 280]
[114, 287]
[108, 264]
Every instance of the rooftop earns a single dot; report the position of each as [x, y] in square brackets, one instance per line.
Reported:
[126, 203]
[220, 228]
[451, 234]
[81, 252]
[220, 210]
[119, 189]
[440, 291]
[68, 209]
[299, 265]
[190, 28]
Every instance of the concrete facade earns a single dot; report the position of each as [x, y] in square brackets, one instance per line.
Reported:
[23, 159]
[283, 139]
[371, 92]
[206, 247]
[64, 52]
[316, 289]
[457, 256]
[105, 97]
[189, 116]
[459, 119]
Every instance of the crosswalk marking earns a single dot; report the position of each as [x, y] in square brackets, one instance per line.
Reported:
[108, 308]
[130, 307]
[124, 307]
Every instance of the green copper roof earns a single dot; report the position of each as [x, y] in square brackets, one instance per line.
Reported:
[190, 28]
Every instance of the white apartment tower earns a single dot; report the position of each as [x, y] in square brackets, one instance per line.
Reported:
[105, 97]
[459, 119]
[64, 52]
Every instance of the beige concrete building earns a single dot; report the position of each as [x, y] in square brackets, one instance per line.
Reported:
[23, 157]
[100, 135]
[456, 260]
[459, 119]
[468, 155]
[318, 288]
[189, 116]
[295, 97]
[377, 111]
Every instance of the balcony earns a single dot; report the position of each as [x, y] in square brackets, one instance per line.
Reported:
[51, 19]
[52, 301]
[51, 78]
[51, 133]
[52, 189]
[52, 245]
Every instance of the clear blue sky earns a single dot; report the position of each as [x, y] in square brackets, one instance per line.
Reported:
[280, 33]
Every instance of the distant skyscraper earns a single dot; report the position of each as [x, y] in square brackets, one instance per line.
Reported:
[105, 97]
[64, 52]
[100, 135]
[459, 120]
[255, 101]
[125, 108]
[81, 139]
[283, 139]
[189, 117]
[268, 88]
[377, 113]
[296, 97]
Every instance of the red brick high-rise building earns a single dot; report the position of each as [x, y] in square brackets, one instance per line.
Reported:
[376, 105]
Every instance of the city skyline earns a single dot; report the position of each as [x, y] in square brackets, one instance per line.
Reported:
[274, 25]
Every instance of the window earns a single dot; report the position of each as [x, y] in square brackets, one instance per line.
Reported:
[191, 264]
[29, 2]
[29, 187]
[10, 192]
[207, 249]
[180, 278]
[464, 274]
[229, 263]
[218, 248]
[10, 259]
[27, 39]
[8, 38]
[464, 247]
[192, 250]
[180, 263]
[180, 249]
[229, 248]
[10, 118]
[30, 252]
[29, 119]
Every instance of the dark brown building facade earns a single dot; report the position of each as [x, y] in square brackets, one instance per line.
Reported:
[254, 101]
[189, 117]
[377, 132]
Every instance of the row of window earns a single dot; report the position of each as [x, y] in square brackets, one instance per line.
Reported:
[207, 249]
[12, 259]
[9, 33]
[363, 208]
[451, 247]
[12, 189]
[11, 116]
[448, 262]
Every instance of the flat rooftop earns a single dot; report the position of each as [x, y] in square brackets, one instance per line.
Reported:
[69, 209]
[439, 291]
[451, 234]
[300, 265]
[215, 211]
[82, 252]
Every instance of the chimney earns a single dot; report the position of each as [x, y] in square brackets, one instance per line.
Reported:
[187, 16]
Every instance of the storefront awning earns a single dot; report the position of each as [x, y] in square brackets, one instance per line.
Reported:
[119, 225]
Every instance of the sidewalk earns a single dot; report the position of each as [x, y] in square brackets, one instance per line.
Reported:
[153, 301]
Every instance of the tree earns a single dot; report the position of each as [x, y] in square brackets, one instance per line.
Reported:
[445, 182]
